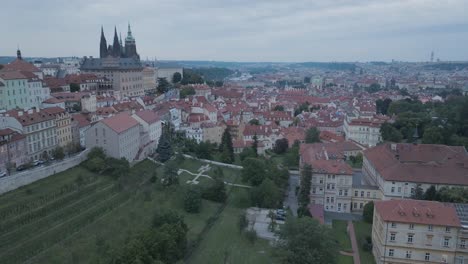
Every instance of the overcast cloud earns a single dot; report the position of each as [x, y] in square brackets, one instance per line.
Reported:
[242, 30]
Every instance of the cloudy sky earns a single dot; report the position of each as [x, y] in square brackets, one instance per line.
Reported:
[242, 30]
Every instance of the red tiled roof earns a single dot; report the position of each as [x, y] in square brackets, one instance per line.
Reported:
[11, 75]
[81, 119]
[418, 212]
[34, 117]
[21, 65]
[120, 122]
[421, 163]
[148, 116]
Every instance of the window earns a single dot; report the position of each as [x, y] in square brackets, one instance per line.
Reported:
[446, 242]
[427, 257]
[332, 199]
[328, 199]
[355, 206]
[430, 227]
[391, 252]
[408, 254]
[340, 193]
[447, 229]
[463, 243]
[411, 226]
[362, 193]
[356, 193]
[393, 190]
[360, 205]
[368, 194]
[392, 237]
[393, 225]
[410, 238]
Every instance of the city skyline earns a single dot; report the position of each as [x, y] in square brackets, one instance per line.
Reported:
[245, 30]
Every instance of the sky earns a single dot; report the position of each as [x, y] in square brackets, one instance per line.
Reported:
[242, 30]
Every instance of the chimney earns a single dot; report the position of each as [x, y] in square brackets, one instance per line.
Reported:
[20, 113]
[393, 146]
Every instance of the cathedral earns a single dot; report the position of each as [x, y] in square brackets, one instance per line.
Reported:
[117, 49]
[119, 64]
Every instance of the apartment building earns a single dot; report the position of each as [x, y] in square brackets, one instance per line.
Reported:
[398, 169]
[63, 123]
[151, 123]
[38, 126]
[118, 136]
[413, 231]
[365, 131]
[12, 149]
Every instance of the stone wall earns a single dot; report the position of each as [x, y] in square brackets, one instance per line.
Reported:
[15, 181]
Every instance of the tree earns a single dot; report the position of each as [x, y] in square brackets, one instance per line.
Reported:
[304, 241]
[216, 191]
[255, 144]
[191, 77]
[247, 153]
[192, 200]
[254, 122]
[186, 91]
[226, 146]
[418, 193]
[58, 153]
[279, 108]
[203, 150]
[306, 183]
[312, 135]
[243, 222]
[163, 85]
[373, 88]
[433, 135]
[368, 212]
[382, 106]
[430, 194]
[390, 133]
[117, 167]
[170, 175]
[74, 87]
[177, 77]
[253, 171]
[292, 155]
[266, 195]
[164, 149]
[281, 146]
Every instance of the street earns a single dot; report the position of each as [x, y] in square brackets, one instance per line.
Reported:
[291, 198]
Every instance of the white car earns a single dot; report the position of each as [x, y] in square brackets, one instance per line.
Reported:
[3, 174]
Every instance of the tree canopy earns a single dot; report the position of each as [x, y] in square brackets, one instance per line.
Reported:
[312, 135]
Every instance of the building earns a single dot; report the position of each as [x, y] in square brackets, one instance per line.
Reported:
[119, 64]
[414, 231]
[398, 169]
[151, 124]
[83, 125]
[14, 90]
[12, 149]
[39, 128]
[365, 131]
[63, 123]
[118, 136]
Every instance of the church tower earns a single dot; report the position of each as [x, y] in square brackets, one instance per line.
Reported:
[116, 45]
[130, 46]
[103, 45]
[18, 54]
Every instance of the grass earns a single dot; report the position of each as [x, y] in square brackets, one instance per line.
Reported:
[225, 244]
[86, 225]
[345, 259]
[363, 230]
[340, 234]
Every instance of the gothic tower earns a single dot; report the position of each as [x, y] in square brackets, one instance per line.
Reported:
[103, 45]
[116, 45]
[130, 46]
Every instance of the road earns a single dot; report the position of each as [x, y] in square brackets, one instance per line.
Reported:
[291, 198]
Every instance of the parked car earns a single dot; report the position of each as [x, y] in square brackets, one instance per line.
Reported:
[3, 174]
[21, 167]
[38, 162]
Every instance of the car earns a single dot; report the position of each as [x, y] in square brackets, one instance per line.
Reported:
[38, 162]
[3, 174]
[280, 217]
[21, 167]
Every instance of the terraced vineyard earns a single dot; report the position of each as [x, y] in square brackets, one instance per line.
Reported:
[35, 218]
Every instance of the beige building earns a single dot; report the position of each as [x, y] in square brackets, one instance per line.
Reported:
[149, 80]
[63, 123]
[413, 231]
[213, 132]
[365, 131]
[118, 136]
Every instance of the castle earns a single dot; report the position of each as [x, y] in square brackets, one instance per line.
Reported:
[117, 49]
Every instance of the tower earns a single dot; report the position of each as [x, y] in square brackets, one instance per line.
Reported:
[116, 45]
[130, 46]
[18, 54]
[432, 56]
[122, 48]
[103, 45]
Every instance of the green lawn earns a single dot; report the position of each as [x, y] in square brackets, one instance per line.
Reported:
[345, 259]
[340, 234]
[79, 217]
[363, 229]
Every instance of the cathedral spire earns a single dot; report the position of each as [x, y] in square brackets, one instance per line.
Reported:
[116, 44]
[103, 45]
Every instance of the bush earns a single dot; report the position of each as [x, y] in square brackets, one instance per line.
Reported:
[251, 235]
[368, 213]
[216, 192]
[367, 244]
[192, 200]
[243, 222]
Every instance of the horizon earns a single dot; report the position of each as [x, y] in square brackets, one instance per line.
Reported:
[245, 31]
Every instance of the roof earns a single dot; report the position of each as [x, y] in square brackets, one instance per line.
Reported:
[11, 75]
[26, 118]
[21, 65]
[111, 63]
[420, 163]
[148, 116]
[418, 212]
[120, 122]
[81, 119]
